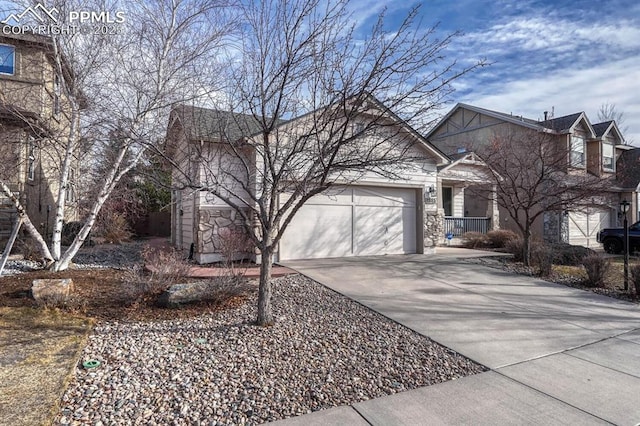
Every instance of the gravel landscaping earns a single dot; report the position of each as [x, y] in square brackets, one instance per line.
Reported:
[325, 350]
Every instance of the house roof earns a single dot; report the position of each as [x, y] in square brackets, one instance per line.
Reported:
[564, 124]
[628, 168]
[601, 128]
[561, 124]
[215, 125]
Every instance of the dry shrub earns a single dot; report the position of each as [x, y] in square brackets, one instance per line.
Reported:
[29, 250]
[635, 277]
[570, 255]
[234, 245]
[542, 257]
[500, 237]
[113, 227]
[164, 267]
[597, 268]
[474, 240]
[69, 232]
[225, 288]
[72, 304]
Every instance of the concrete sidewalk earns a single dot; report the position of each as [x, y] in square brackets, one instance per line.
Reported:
[557, 355]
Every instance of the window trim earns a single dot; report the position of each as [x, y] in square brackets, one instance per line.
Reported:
[31, 159]
[13, 60]
[613, 163]
[583, 162]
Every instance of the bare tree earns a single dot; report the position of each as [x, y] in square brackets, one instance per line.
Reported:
[119, 84]
[313, 103]
[533, 175]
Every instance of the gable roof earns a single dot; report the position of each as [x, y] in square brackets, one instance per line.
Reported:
[604, 129]
[214, 124]
[561, 124]
[519, 120]
[601, 128]
[217, 125]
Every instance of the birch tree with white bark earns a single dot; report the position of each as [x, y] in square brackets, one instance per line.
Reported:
[121, 83]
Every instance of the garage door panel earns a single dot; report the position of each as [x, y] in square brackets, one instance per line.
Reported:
[385, 197]
[584, 227]
[386, 230]
[318, 231]
[353, 221]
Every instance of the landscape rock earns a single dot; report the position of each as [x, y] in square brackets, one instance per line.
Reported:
[180, 294]
[220, 369]
[51, 289]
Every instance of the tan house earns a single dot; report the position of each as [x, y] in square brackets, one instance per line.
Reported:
[372, 215]
[594, 149]
[32, 118]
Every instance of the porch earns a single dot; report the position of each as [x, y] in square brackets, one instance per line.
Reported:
[457, 226]
[467, 197]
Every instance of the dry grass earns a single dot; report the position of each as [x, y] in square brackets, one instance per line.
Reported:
[38, 351]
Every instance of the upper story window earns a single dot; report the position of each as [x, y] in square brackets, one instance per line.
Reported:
[7, 59]
[577, 151]
[56, 95]
[607, 156]
[31, 159]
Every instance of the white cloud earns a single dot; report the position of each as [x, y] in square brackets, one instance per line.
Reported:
[568, 91]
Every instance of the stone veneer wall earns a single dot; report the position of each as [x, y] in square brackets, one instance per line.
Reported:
[433, 228]
[211, 225]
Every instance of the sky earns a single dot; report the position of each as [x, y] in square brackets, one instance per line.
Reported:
[556, 55]
[545, 55]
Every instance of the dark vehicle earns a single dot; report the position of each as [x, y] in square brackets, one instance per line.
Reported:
[612, 239]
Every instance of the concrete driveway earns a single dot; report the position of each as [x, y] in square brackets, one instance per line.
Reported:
[558, 355]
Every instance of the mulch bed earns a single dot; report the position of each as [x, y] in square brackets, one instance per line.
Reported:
[100, 293]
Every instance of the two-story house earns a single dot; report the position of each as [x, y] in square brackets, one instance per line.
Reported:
[33, 123]
[593, 148]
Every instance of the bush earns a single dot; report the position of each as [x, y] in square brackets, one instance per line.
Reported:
[635, 277]
[165, 267]
[597, 268]
[69, 232]
[542, 257]
[566, 254]
[30, 250]
[516, 246]
[474, 240]
[500, 237]
[113, 227]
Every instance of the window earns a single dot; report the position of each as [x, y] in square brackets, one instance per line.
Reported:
[607, 156]
[7, 59]
[447, 200]
[56, 95]
[577, 151]
[31, 159]
[71, 193]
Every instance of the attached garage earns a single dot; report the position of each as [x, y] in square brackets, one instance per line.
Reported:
[354, 221]
[584, 227]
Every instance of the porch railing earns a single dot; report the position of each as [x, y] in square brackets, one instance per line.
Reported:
[459, 225]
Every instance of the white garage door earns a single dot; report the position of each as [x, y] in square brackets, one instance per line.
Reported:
[583, 227]
[353, 221]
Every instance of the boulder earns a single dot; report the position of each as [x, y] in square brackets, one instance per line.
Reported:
[180, 294]
[51, 289]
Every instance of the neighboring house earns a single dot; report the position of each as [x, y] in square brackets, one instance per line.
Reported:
[32, 116]
[371, 216]
[593, 149]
